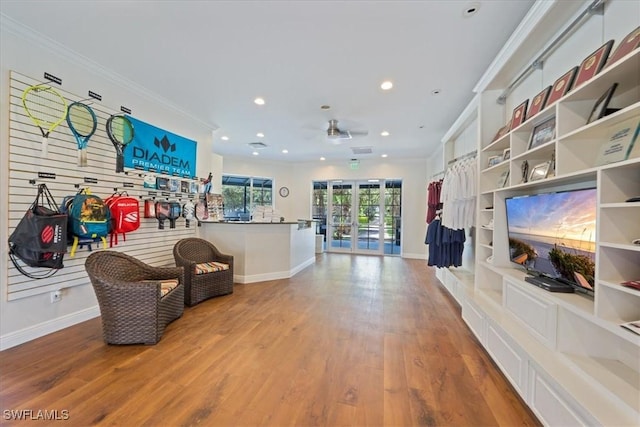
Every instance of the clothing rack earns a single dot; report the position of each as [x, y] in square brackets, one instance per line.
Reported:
[437, 175]
[464, 156]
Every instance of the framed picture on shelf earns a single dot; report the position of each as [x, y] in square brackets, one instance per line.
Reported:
[539, 102]
[630, 43]
[600, 106]
[562, 86]
[506, 154]
[503, 179]
[543, 133]
[593, 63]
[539, 171]
[502, 131]
[494, 160]
[620, 143]
[519, 114]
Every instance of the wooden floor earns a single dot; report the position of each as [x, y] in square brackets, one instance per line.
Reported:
[353, 340]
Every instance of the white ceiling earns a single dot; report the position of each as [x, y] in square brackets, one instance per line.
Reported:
[212, 58]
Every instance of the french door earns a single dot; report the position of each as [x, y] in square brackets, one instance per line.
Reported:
[355, 223]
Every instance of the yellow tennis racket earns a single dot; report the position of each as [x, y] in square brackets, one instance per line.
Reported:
[46, 108]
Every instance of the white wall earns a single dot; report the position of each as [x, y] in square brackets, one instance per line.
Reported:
[25, 52]
[299, 177]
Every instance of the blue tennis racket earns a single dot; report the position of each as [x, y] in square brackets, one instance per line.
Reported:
[83, 123]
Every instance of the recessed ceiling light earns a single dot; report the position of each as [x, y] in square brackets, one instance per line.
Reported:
[285, 151]
[324, 107]
[471, 9]
[435, 92]
[260, 135]
[386, 85]
[259, 101]
[322, 158]
[384, 155]
[255, 153]
[224, 138]
[384, 133]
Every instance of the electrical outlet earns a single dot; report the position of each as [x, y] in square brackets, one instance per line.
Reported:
[56, 296]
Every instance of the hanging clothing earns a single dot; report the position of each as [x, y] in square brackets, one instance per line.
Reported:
[433, 199]
[458, 194]
[445, 245]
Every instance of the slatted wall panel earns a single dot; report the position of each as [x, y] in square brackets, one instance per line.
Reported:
[148, 243]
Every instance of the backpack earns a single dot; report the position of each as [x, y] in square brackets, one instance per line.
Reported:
[188, 210]
[125, 215]
[174, 213]
[89, 219]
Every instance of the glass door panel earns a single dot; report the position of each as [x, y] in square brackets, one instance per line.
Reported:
[341, 222]
[369, 219]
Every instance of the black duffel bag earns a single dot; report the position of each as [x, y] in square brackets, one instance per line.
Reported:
[40, 239]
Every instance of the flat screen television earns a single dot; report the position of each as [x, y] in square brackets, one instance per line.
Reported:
[553, 235]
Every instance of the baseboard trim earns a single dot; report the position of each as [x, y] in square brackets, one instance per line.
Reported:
[22, 336]
[414, 256]
[273, 275]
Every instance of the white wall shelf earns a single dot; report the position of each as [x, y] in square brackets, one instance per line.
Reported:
[566, 354]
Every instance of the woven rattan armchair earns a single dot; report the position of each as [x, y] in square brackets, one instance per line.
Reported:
[192, 251]
[129, 295]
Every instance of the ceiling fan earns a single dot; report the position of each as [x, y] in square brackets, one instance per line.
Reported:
[337, 135]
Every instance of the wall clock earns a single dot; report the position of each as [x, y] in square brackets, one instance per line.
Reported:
[284, 191]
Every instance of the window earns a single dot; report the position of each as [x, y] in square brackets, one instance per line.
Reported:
[242, 193]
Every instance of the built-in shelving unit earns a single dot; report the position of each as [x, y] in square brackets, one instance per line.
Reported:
[566, 354]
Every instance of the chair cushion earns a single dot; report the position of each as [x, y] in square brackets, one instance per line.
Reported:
[166, 285]
[210, 267]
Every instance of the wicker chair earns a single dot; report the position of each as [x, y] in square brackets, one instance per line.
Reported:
[198, 287]
[129, 297]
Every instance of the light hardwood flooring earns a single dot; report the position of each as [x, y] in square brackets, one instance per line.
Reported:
[350, 341]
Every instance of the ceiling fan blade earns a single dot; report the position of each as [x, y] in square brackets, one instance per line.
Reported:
[359, 132]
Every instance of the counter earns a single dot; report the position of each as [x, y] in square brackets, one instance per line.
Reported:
[263, 251]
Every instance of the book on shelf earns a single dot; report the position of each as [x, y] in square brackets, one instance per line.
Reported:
[620, 142]
[632, 326]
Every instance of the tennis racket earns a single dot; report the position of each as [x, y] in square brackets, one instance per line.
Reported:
[46, 108]
[120, 131]
[83, 123]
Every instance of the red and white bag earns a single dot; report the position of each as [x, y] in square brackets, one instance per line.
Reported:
[125, 215]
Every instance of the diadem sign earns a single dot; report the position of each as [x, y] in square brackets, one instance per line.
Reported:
[157, 150]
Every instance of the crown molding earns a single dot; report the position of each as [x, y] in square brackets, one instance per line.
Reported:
[535, 15]
[468, 114]
[32, 36]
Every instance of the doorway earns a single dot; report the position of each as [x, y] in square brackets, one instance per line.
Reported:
[364, 215]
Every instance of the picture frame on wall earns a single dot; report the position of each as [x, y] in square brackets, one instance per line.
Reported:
[630, 43]
[519, 114]
[539, 171]
[600, 107]
[562, 86]
[543, 133]
[539, 102]
[593, 63]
